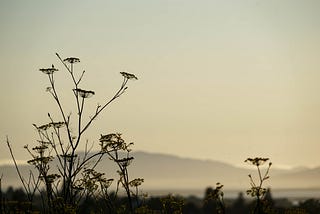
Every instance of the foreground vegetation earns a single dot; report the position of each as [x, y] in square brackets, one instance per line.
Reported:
[15, 201]
[72, 184]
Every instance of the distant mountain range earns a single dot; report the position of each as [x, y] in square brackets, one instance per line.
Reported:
[168, 172]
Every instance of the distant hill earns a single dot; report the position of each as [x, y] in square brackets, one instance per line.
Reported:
[167, 172]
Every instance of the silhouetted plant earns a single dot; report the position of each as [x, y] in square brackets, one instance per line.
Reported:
[30, 185]
[215, 198]
[310, 206]
[257, 190]
[75, 177]
[172, 204]
[119, 152]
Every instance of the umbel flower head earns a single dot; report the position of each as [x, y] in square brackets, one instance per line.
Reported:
[112, 141]
[257, 161]
[136, 182]
[40, 160]
[72, 60]
[256, 191]
[56, 125]
[40, 149]
[83, 93]
[108, 183]
[48, 70]
[128, 75]
[125, 162]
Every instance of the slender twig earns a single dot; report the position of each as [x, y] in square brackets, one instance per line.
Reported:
[55, 96]
[100, 109]
[86, 161]
[16, 166]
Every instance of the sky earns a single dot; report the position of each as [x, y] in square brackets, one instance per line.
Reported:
[218, 79]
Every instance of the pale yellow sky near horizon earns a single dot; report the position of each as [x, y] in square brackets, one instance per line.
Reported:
[222, 80]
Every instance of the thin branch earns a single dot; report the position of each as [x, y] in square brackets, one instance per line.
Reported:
[80, 77]
[85, 161]
[16, 166]
[60, 108]
[100, 109]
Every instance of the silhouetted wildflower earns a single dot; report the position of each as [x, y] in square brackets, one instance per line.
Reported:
[90, 185]
[217, 193]
[48, 70]
[40, 160]
[110, 138]
[91, 179]
[72, 60]
[83, 93]
[108, 183]
[57, 125]
[128, 75]
[112, 141]
[49, 125]
[44, 127]
[256, 191]
[124, 162]
[257, 161]
[136, 182]
[40, 149]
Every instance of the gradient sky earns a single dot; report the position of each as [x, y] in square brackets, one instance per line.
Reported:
[222, 80]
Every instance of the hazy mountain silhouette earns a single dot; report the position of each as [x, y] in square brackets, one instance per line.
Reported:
[162, 171]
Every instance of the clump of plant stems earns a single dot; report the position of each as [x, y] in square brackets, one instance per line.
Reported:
[257, 190]
[72, 178]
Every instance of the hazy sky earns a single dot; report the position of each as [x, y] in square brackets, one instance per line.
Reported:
[222, 80]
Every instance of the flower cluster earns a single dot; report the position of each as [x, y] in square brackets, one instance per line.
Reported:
[48, 70]
[124, 162]
[215, 194]
[57, 125]
[256, 191]
[136, 182]
[128, 75]
[257, 161]
[72, 60]
[112, 141]
[45, 127]
[107, 183]
[40, 149]
[83, 93]
[40, 160]
[91, 180]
